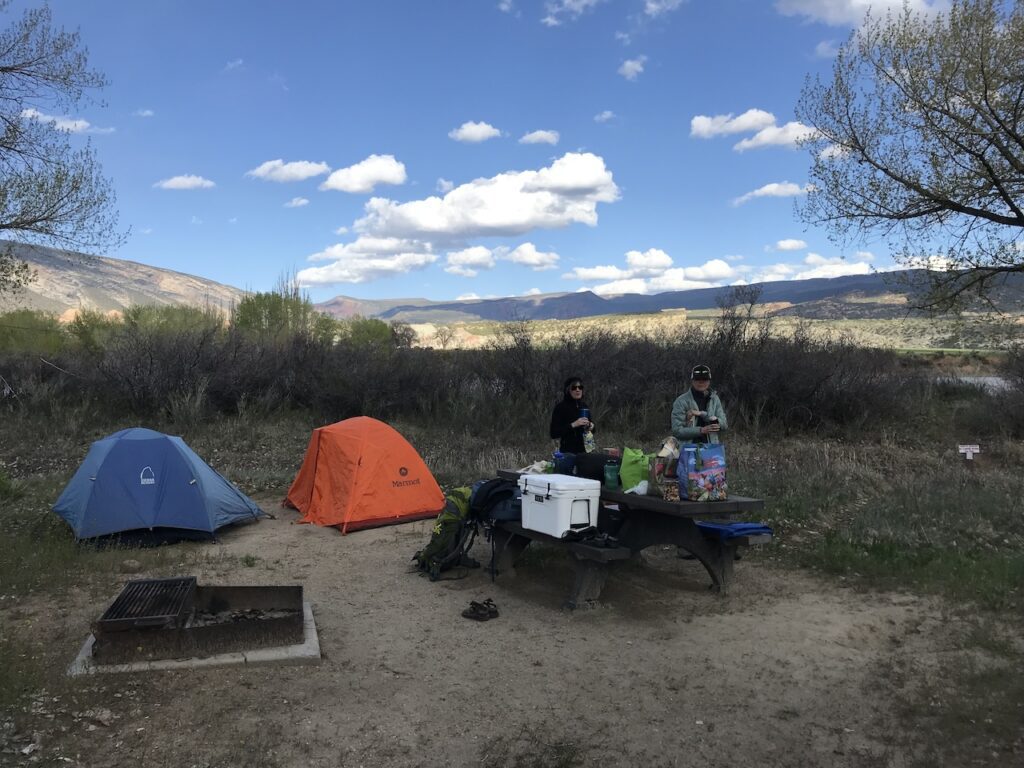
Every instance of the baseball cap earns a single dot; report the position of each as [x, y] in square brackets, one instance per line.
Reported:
[701, 372]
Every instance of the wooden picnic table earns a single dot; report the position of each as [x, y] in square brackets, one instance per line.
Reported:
[645, 521]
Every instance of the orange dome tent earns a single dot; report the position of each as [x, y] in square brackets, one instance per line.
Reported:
[361, 473]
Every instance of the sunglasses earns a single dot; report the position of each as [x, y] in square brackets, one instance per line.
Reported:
[576, 386]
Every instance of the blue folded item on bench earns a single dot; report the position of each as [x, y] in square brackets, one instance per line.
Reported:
[728, 531]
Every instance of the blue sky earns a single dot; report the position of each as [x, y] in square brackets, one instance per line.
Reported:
[462, 148]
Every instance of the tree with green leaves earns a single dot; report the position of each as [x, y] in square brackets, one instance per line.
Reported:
[282, 314]
[51, 190]
[919, 140]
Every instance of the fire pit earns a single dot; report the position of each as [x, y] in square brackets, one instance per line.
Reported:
[166, 621]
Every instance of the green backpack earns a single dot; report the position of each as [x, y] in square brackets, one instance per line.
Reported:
[451, 537]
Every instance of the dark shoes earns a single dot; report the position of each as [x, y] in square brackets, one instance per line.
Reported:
[481, 611]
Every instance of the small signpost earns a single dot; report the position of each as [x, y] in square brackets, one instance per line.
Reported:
[968, 451]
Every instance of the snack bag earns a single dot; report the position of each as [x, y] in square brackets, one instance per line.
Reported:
[702, 473]
[661, 480]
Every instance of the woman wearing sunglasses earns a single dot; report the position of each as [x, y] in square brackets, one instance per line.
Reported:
[570, 420]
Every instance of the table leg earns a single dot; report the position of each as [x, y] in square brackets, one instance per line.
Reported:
[507, 549]
[643, 529]
[590, 579]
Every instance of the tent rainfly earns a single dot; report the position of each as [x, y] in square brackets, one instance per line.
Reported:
[361, 473]
[141, 480]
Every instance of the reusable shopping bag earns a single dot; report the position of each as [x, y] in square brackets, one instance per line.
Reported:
[702, 472]
[635, 467]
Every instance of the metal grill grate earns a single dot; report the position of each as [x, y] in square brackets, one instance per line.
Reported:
[150, 603]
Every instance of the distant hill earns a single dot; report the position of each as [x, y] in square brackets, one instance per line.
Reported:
[73, 281]
[879, 295]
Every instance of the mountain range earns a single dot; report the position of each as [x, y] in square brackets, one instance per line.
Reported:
[67, 281]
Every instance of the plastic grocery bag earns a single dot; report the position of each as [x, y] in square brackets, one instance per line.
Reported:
[634, 467]
[702, 472]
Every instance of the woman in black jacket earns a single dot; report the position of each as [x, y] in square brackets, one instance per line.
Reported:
[568, 424]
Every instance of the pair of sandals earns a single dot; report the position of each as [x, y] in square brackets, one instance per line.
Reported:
[481, 611]
[591, 537]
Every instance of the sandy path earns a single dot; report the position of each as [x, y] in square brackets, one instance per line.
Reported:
[788, 671]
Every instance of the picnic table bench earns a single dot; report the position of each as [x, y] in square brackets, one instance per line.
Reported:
[646, 521]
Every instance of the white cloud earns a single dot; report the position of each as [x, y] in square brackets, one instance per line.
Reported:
[371, 246]
[713, 269]
[188, 181]
[704, 127]
[233, 65]
[540, 137]
[826, 49]
[473, 133]
[143, 113]
[528, 256]
[532, 292]
[849, 12]
[443, 186]
[366, 174]
[66, 124]
[396, 237]
[604, 117]
[775, 189]
[607, 272]
[936, 263]
[822, 266]
[653, 261]
[341, 231]
[773, 273]
[566, 192]
[366, 259]
[279, 170]
[621, 286]
[832, 151]
[655, 8]
[560, 10]
[651, 271]
[467, 297]
[506, 6]
[296, 202]
[631, 69]
[790, 244]
[776, 136]
[469, 261]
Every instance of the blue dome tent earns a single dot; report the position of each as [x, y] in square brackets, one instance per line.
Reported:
[139, 480]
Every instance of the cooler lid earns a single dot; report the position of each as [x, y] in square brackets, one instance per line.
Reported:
[557, 483]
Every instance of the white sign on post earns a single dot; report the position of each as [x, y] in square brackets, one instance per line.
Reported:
[968, 451]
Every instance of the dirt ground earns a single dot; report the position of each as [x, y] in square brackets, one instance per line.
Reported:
[789, 670]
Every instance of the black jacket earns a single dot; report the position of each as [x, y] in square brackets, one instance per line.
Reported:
[570, 439]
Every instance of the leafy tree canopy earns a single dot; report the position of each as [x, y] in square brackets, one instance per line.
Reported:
[50, 190]
[919, 140]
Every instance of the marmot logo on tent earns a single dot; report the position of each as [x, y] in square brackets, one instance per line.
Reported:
[403, 471]
[146, 476]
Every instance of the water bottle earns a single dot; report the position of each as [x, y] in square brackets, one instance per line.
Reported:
[611, 475]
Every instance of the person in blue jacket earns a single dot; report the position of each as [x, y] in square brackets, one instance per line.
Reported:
[697, 414]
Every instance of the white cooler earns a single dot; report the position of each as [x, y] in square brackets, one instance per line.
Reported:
[554, 504]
